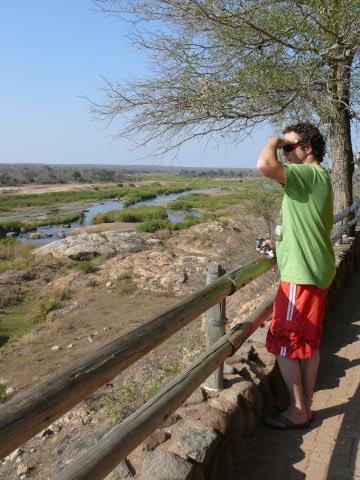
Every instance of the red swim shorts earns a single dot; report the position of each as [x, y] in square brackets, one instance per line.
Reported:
[296, 325]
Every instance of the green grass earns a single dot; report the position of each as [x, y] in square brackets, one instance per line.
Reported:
[212, 203]
[31, 224]
[130, 194]
[15, 255]
[15, 322]
[131, 215]
[3, 396]
[153, 226]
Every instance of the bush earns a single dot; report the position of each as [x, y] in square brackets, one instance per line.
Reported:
[188, 221]
[132, 215]
[154, 225]
[9, 226]
[3, 396]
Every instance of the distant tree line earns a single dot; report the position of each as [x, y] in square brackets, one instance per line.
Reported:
[221, 173]
[20, 174]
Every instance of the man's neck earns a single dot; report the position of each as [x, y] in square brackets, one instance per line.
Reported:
[311, 160]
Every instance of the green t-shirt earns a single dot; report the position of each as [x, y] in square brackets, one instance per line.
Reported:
[304, 251]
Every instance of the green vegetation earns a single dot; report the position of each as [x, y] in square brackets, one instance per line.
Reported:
[131, 215]
[3, 396]
[50, 304]
[188, 221]
[57, 219]
[15, 322]
[249, 190]
[14, 255]
[153, 226]
[31, 224]
[10, 226]
[130, 194]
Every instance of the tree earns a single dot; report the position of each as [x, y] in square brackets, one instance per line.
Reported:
[226, 66]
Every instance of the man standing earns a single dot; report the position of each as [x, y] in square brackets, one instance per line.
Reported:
[306, 262]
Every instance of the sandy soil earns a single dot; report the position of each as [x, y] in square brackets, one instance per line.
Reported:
[68, 187]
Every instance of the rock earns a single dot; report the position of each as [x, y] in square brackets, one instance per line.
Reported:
[161, 465]
[171, 420]
[21, 470]
[54, 348]
[227, 404]
[154, 440]
[10, 391]
[123, 470]
[15, 454]
[196, 397]
[11, 234]
[158, 271]
[260, 334]
[70, 345]
[90, 338]
[197, 443]
[39, 235]
[154, 242]
[250, 395]
[60, 234]
[88, 245]
[108, 284]
[207, 416]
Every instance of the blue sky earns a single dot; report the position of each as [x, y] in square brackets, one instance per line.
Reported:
[51, 54]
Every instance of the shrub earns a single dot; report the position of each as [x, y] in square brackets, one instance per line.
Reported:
[9, 226]
[3, 396]
[154, 225]
[188, 221]
[132, 215]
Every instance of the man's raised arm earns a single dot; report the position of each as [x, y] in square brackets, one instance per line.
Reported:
[268, 163]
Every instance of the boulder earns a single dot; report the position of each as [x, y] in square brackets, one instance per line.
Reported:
[88, 245]
[161, 465]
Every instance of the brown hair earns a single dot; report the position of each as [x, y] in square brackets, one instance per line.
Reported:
[310, 135]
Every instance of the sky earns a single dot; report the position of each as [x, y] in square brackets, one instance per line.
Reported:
[55, 53]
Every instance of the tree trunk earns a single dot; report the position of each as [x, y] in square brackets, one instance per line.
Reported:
[340, 138]
[342, 160]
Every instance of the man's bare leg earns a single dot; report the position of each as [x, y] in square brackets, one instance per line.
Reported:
[309, 369]
[291, 373]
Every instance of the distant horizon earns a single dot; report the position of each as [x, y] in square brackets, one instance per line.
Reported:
[123, 166]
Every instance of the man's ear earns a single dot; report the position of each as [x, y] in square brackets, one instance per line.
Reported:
[308, 149]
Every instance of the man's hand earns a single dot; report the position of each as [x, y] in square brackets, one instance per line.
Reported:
[269, 243]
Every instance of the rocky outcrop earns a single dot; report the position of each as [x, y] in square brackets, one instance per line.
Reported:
[88, 245]
[156, 271]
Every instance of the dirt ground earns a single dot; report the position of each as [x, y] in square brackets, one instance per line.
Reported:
[34, 189]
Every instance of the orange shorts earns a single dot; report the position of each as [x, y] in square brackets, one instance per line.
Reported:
[297, 321]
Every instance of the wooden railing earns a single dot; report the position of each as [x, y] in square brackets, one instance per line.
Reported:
[31, 411]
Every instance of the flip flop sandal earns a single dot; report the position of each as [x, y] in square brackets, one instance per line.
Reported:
[282, 409]
[279, 422]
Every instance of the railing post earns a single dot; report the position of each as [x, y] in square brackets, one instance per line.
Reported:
[215, 319]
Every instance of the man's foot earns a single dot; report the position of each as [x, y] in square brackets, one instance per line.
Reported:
[280, 422]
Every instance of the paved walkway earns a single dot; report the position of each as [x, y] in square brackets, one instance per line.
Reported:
[330, 450]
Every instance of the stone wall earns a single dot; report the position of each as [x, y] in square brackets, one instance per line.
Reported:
[208, 433]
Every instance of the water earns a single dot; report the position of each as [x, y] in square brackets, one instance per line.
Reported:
[52, 231]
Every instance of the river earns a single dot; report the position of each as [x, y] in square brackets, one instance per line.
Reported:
[54, 232]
